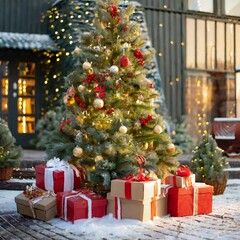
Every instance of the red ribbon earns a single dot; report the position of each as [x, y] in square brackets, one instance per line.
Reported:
[140, 177]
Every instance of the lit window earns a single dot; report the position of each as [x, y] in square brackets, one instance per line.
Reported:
[232, 8]
[201, 5]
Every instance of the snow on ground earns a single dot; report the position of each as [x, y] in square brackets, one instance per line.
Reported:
[220, 224]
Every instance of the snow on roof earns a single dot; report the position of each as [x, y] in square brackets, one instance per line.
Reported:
[26, 41]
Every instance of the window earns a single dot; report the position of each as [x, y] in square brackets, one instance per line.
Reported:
[201, 5]
[212, 54]
[232, 7]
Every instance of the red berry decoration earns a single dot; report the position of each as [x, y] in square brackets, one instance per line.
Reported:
[138, 54]
[113, 10]
[124, 61]
[183, 171]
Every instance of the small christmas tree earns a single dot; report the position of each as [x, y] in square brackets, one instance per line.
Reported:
[9, 153]
[208, 162]
[110, 125]
[181, 137]
[46, 127]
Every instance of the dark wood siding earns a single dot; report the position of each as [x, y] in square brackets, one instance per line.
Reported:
[23, 16]
[168, 39]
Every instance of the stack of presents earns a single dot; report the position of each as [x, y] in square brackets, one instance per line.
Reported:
[58, 192]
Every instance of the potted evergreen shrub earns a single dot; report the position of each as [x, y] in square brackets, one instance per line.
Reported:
[209, 164]
[9, 153]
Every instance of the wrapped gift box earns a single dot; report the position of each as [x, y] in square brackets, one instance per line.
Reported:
[141, 210]
[58, 179]
[180, 182]
[193, 200]
[135, 190]
[72, 206]
[44, 209]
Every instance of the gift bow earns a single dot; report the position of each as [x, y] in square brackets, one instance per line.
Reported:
[183, 171]
[56, 164]
[140, 177]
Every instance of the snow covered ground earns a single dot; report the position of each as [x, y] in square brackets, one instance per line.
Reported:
[222, 223]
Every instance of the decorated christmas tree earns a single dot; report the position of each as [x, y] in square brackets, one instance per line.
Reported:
[9, 153]
[110, 126]
[208, 162]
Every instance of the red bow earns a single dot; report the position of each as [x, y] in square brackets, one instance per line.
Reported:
[183, 171]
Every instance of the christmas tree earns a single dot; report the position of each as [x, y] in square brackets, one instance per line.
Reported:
[110, 125]
[9, 153]
[208, 161]
[181, 137]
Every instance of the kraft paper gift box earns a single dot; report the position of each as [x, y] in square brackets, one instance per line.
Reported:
[180, 182]
[193, 200]
[135, 190]
[57, 179]
[73, 206]
[141, 210]
[132, 209]
[44, 209]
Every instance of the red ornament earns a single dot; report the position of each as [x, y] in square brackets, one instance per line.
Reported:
[138, 54]
[113, 10]
[141, 160]
[143, 121]
[67, 121]
[124, 61]
[100, 91]
[109, 111]
[150, 85]
[91, 78]
[71, 91]
[183, 171]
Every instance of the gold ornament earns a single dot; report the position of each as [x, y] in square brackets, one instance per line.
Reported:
[123, 129]
[145, 146]
[81, 88]
[98, 158]
[77, 152]
[171, 148]
[87, 65]
[98, 103]
[157, 129]
[71, 101]
[89, 71]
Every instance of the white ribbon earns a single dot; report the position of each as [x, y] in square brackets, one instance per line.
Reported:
[195, 196]
[166, 188]
[56, 164]
[119, 210]
[89, 200]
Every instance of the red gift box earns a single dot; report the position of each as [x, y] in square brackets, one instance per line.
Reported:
[80, 206]
[193, 200]
[58, 179]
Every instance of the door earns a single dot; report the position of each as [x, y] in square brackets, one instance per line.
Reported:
[18, 99]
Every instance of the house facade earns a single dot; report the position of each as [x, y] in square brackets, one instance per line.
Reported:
[22, 39]
[197, 52]
[197, 47]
